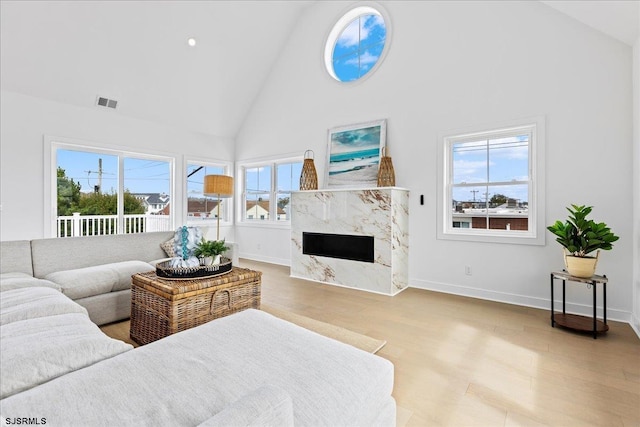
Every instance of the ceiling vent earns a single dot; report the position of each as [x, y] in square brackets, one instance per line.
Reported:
[106, 102]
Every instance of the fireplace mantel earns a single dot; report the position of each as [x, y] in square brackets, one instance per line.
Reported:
[378, 213]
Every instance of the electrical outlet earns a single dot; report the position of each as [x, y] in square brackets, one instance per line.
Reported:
[467, 270]
[259, 246]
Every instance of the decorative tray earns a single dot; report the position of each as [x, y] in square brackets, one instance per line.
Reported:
[164, 270]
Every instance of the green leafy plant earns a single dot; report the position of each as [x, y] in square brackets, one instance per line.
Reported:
[581, 236]
[207, 248]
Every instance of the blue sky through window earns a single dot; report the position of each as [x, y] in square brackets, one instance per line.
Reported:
[289, 176]
[359, 46]
[140, 175]
[258, 180]
[488, 163]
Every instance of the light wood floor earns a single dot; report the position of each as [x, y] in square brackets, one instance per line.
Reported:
[468, 362]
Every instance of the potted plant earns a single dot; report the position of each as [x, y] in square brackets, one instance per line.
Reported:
[209, 251]
[579, 237]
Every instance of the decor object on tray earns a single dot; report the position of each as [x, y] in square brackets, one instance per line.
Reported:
[308, 177]
[353, 154]
[219, 186]
[169, 270]
[185, 241]
[579, 237]
[209, 251]
[386, 174]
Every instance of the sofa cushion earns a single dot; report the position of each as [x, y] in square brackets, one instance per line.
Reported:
[99, 279]
[16, 280]
[51, 255]
[35, 351]
[212, 366]
[168, 248]
[31, 303]
[16, 257]
[266, 406]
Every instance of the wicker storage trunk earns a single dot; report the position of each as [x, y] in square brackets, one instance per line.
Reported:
[161, 307]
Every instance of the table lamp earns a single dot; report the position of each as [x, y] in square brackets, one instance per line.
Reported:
[219, 186]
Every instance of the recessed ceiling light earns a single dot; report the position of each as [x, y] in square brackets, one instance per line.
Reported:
[191, 41]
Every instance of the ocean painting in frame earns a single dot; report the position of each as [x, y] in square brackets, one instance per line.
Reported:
[353, 154]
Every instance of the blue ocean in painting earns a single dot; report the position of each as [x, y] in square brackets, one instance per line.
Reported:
[354, 155]
[353, 160]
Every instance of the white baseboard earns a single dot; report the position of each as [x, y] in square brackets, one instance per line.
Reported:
[504, 297]
[527, 301]
[261, 258]
[635, 324]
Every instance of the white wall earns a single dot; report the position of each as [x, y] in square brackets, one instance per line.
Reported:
[24, 122]
[453, 65]
[636, 185]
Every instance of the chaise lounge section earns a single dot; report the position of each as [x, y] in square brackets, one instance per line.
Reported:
[249, 368]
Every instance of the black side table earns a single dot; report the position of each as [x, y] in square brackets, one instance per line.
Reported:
[574, 321]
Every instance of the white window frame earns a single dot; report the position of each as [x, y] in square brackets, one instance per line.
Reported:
[241, 207]
[345, 18]
[226, 217]
[51, 146]
[535, 235]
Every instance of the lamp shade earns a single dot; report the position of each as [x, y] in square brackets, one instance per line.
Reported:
[218, 185]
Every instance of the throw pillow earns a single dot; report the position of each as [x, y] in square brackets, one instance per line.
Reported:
[168, 248]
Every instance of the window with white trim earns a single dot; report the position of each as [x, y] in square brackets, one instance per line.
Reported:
[287, 180]
[491, 189]
[357, 43]
[98, 191]
[267, 182]
[201, 208]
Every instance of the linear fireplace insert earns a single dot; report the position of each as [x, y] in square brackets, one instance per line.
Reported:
[343, 246]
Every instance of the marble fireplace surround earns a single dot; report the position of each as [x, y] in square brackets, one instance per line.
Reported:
[382, 213]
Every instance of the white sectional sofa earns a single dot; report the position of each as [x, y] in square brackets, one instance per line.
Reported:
[93, 271]
[248, 369]
[43, 335]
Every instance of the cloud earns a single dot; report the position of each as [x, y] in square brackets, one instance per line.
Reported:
[364, 60]
[465, 170]
[359, 30]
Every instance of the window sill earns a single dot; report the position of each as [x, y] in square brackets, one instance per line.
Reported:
[265, 224]
[496, 237]
[208, 223]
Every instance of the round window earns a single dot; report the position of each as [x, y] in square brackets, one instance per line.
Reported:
[355, 44]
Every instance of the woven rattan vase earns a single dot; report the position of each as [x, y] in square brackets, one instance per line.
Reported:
[308, 177]
[386, 174]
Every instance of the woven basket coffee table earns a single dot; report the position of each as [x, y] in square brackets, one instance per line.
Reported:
[161, 307]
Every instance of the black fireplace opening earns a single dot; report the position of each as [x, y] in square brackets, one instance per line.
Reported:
[343, 246]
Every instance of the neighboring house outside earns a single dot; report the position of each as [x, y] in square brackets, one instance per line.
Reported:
[202, 208]
[154, 203]
[259, 209]
[500, 218]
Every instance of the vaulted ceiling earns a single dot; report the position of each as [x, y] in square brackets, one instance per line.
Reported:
[136, 52]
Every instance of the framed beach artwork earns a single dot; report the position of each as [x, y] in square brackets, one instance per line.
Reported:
[353, 154]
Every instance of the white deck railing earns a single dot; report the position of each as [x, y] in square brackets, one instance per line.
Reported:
[98, 225]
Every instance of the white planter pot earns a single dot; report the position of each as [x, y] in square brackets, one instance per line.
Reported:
[206, 260]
